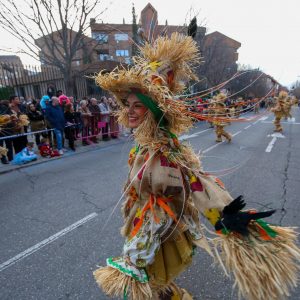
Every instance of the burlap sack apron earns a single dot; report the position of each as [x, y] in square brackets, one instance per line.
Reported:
[173, 257]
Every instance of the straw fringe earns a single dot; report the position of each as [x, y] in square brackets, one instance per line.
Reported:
[114, 283]
[262, 269]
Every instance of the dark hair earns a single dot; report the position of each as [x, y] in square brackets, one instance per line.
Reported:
[28, 107]
[58, 93]
[102, 99]
[44, 140]
[12, 97]
[30, 144]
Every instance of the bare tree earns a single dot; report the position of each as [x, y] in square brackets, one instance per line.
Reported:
[56, 26]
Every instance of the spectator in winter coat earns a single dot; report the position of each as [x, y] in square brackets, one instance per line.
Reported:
[70, 117]
[51, 90]
[18, 110]
[105, 112]
[36, 121]
[55, 116]
[94, 119]
[85, 115]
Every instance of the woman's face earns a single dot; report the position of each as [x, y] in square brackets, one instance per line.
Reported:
[32, 107]
[136, 111]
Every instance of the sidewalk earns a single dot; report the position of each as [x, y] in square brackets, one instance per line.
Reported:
[79, 150]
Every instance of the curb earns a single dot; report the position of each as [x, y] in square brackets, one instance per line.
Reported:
[43, 160]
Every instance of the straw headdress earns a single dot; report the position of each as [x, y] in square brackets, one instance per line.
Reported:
[220, 99]
[282, 96]
[159, 72]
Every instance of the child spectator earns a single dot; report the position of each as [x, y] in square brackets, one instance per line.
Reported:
[46, 150]
[26, 155]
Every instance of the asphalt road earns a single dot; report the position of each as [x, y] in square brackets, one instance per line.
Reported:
[56, 224]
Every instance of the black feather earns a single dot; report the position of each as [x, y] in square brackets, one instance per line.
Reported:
[263, 214]
[192, 28]
[235, 206]
[235, 220]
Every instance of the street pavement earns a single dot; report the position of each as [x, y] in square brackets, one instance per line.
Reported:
[60, 219]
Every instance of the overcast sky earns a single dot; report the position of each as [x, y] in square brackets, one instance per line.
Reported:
[269, 30]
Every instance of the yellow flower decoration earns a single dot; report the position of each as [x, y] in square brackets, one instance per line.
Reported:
[154, 65]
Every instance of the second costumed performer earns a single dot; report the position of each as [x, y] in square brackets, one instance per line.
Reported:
[221, 112]
[167, 192]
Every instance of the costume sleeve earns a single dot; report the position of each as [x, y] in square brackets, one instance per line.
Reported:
[209, 195]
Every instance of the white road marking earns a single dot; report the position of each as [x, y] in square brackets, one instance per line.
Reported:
[256, 122]
[212, 147]
[274, 136]
[45, 242]
[189, 136]
[237, 133]
[264, 118]
[271, 144]
[216, 145]
[248, 126]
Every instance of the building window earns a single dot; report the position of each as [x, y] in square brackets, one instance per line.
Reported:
[121, 37]
[124, 53]
[103, 55]
[100, 37]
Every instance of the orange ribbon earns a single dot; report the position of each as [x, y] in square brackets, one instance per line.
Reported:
[163, 203]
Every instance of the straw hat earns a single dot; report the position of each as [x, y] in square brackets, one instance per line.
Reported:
[161, 71]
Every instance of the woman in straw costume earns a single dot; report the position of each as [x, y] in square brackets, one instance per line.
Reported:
[167, 191]
[221, 112]
[279, 110]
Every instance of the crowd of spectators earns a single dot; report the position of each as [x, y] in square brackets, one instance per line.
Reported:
[55, 119]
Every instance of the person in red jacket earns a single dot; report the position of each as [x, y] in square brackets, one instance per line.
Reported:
[46, 150]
